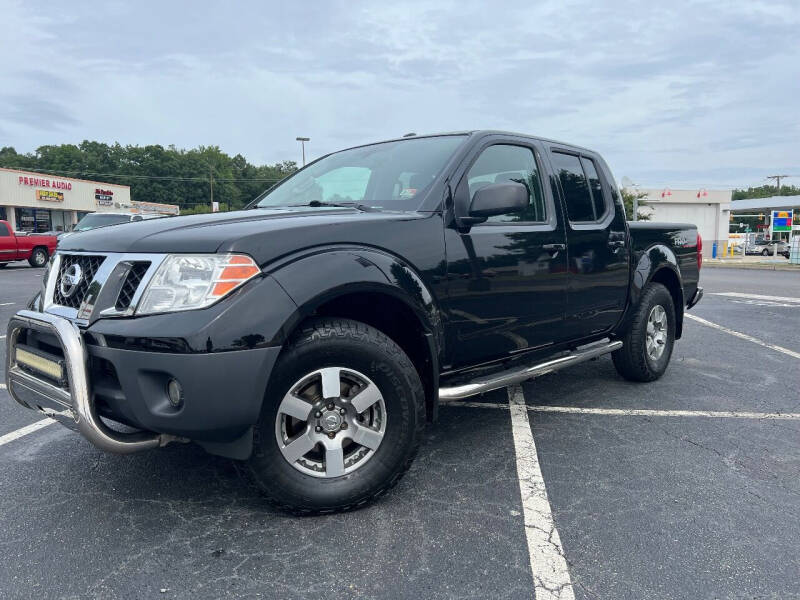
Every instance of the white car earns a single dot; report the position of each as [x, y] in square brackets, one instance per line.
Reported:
[104, 219]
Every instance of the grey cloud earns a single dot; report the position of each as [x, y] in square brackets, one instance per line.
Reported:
[38, 113]
[684, 87]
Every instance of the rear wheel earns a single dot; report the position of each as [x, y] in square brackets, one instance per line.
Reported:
[647, 345]
[342, 419]
[765, 252]
[3, 265]
[38, 258]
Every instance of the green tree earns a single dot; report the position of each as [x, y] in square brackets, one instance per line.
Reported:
[765, 191]
[156, 173]
[629, 195]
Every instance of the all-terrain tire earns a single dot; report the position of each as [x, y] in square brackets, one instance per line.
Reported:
[633, 361]
[349, 344]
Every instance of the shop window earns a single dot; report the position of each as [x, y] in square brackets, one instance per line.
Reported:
[33, 220]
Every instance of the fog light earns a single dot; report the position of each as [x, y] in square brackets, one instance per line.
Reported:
[175, 393]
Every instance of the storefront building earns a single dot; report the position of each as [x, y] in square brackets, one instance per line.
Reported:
[707, 209]
[36, 202]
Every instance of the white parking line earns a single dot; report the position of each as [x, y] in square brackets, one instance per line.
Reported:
[757, 297]
[549, 567]
[744, 336]
[636, 412]
[6, 303]
[23, 431]
[2, 386]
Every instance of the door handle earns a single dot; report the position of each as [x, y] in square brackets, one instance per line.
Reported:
[553, 249]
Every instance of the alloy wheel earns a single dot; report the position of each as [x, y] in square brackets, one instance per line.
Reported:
[330, 422]
[656, 332]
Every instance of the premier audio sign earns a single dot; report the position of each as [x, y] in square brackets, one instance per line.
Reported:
[57, 184]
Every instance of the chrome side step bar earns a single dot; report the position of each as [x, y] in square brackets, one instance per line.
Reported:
[499, 380]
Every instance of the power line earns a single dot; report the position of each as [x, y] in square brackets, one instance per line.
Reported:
[157, 177]
[777, 179]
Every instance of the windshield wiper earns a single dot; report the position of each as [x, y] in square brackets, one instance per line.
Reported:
[356, 205]
[314, 203]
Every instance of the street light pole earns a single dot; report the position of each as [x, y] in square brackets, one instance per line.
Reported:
[303, 141]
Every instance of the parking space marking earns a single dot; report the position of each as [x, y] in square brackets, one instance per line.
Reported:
[757, 297]
[23, 431]
[6, 303]
[2, 386]
[636, 412]
[744, 336]
[549, 567]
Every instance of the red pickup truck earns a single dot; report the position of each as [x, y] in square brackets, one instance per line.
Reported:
[34, 248]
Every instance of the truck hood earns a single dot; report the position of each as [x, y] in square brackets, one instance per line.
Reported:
[264, 234]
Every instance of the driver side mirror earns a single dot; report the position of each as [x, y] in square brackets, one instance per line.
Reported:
[496, 199]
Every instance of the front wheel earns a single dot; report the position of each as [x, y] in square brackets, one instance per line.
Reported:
[38, 258]
[765, 253]
[647, 345]
[341, 422]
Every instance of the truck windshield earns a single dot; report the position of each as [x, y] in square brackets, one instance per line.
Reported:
[96, 220]
[390, 175]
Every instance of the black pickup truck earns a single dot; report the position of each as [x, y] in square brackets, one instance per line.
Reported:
[314, 333]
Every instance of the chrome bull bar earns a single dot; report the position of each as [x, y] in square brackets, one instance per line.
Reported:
[71, 405]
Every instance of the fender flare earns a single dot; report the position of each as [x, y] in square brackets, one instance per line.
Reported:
[649, 264]
[317, 276]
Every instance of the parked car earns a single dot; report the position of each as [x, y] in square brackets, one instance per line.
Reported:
[787, 246]
[34, 248]
[767, 247]
[314, 334]
[104, 219]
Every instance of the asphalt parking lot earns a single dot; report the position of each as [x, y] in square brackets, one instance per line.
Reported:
[688, 487]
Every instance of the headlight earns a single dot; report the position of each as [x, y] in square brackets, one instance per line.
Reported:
[190, 281]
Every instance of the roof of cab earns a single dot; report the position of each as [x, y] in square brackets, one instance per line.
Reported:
[474, 133]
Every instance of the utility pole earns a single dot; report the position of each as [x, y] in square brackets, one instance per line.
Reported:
[303, 141]
[211, 184]
[777, 179]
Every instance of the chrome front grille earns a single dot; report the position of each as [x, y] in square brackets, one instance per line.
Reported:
[132, 281]
[107, 284]
[88, 265]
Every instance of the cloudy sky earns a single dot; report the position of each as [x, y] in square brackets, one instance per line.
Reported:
[679, 94]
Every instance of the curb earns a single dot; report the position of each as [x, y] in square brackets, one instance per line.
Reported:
[751, 266]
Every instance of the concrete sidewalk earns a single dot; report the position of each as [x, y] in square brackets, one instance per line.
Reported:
[752, 262]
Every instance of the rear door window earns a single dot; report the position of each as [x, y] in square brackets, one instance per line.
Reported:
[575, 187]
[598, 200]
[4, 230]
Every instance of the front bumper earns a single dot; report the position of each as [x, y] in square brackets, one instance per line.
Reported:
[696, 297]
[223, 391]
